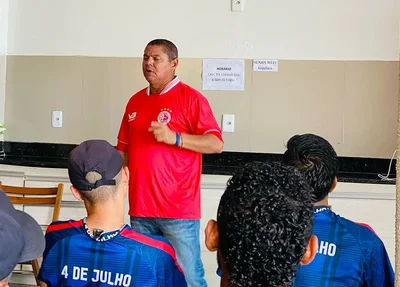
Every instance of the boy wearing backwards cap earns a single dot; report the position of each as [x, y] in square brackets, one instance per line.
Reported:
[101, 249]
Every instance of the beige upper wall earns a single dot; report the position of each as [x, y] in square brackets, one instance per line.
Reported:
[353, 104]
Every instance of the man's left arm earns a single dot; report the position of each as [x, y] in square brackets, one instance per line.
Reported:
[206, 134]
[207, 144]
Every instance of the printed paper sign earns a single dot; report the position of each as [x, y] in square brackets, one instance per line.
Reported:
[223, 74]
[265, 65]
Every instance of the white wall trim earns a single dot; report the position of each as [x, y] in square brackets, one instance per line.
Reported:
[18, 174]
[75, 204]
[372, 191]
[41, 178]
[381, 195]
[211, 183]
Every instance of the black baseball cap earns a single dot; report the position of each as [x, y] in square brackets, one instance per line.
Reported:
[97, 156]
[21, 237]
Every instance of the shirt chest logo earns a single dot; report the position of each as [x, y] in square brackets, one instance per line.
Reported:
[131, 116]
[164, 117]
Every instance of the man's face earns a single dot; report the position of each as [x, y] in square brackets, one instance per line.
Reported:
[157, 67]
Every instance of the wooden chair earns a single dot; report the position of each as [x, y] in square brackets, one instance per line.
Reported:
[35, 196]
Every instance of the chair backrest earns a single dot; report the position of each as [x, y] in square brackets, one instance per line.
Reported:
[36, 196]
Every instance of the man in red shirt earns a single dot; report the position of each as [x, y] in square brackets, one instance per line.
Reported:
[165, 130]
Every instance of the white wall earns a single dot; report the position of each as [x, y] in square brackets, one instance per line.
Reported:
[4, 7]
[3, 26]
[308, 29]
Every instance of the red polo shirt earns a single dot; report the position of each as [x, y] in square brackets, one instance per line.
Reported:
[165, 179]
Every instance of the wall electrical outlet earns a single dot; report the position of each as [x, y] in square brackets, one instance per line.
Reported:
[237, 5]
[228, 123]
[56, 119]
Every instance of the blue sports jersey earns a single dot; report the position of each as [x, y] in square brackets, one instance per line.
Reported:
[75, 257]
[349, 254]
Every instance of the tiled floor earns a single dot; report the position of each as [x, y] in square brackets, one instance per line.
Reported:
[372, 204]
